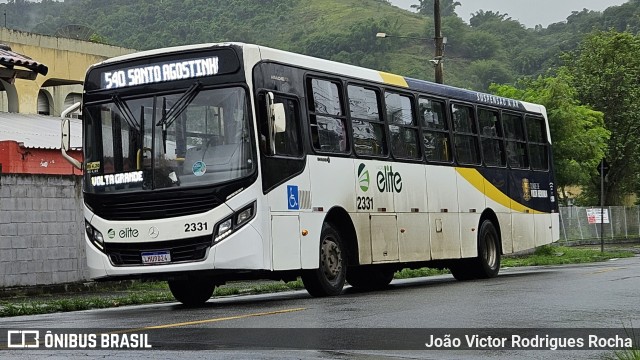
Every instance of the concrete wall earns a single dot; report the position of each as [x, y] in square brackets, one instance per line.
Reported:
[41, 230]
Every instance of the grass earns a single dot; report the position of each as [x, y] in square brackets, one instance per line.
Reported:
[560, 255]
[139, 292]
[627, 354]
[630, 354]
[413, 273]
[136, 293]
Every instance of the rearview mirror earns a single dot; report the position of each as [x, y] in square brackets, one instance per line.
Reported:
[66, 135]
[279, 118]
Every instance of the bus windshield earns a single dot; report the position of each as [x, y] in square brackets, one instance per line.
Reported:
[190, 138]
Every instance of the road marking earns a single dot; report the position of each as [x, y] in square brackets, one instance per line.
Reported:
[606, 270]
[206, 321]
[197, 322]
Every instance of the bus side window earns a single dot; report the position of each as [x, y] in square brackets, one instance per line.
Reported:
[465, 134]
[538, 150]
[402, 126]
[515, 141]
[435, 131]
[287, 143]
[491, 138]
[327, 119]
[368, 126]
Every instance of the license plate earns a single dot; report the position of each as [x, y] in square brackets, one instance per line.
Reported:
[156, 257]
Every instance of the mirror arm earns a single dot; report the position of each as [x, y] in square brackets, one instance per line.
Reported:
[271, 122]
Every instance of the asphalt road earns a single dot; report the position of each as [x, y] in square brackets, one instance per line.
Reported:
[382, 324]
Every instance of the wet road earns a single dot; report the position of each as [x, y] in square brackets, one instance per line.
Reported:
[602, 295]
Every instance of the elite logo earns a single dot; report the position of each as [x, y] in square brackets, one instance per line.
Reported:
[363, 178]
[123, 234]
[388, 180]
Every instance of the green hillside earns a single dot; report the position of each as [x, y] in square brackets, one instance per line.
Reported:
[493, 48]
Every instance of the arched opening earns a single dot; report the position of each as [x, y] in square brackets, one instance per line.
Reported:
[8, 97]
[45, 103]
[71, 99]
[62, 92]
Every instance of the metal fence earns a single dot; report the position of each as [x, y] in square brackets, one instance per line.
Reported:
[577, 225]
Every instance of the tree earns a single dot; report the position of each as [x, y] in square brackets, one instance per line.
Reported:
[577, 132]
[487, 72]
[480, 17]
[605, 71]
[447, 7]
[479, 45]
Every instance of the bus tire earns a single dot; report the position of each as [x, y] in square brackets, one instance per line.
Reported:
[488, 260]
[192, 292]
[462, 270]
[487, 263]
[329, 278]
[369, 278]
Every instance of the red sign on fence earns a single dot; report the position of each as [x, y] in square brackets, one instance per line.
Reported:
[594, 216]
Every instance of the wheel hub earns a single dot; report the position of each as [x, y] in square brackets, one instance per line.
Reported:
[490, 252]
[331, 258]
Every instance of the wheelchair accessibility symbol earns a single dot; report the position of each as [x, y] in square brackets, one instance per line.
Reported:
[292, 194]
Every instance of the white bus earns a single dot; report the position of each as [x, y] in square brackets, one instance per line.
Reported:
[217, 162]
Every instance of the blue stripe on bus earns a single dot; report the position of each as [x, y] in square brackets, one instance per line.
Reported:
[463, 95]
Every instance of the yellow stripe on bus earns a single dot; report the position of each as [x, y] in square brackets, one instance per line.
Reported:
[476, 179]
[393, 79]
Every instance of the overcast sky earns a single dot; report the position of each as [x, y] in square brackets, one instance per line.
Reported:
[528, 12]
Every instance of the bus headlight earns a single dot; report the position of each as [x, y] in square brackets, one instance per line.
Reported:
[240, 218]
[94, 236]
[244, 216]
[224, 229]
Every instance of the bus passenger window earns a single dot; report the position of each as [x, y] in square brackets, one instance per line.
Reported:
[402, 126]
[516, 144]
[368, 126]
[491, 138]
[435, 131]
[328, 122]
[465, 135]
[538, 152]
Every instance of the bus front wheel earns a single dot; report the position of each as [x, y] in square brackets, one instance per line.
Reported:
[328, 279]
[192, 292]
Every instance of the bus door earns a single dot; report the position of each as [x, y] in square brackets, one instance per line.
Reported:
[283, 179]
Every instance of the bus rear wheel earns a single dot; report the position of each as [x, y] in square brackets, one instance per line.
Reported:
[369, 278]
[488, 251]
[192, 292]
[328, 279]
[487, 264]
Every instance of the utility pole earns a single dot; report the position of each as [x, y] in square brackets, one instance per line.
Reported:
[603, 168]
[437, 19]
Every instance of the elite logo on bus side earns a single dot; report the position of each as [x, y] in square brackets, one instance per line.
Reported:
[389, 181]
[386, 179]
[363, 178]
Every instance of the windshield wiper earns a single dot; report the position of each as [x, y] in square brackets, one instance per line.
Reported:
[126, 113]
[168, 117]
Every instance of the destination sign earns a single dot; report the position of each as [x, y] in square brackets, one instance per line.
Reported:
[160, 72]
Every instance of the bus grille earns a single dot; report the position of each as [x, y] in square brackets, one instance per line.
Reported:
[153, 206]
[185, 250]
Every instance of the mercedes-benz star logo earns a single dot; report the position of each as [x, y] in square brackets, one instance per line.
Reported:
[153, 232]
